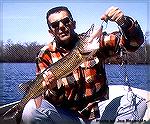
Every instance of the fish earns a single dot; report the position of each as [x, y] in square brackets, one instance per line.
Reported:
[85, 48]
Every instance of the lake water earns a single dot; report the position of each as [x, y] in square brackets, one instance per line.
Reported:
[12, 74]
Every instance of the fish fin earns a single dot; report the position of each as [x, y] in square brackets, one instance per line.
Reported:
[24, 87]
[13, 112]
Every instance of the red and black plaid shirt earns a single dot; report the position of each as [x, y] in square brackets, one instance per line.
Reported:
[88, 83]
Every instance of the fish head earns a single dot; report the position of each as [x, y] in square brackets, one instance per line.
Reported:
[91, 43]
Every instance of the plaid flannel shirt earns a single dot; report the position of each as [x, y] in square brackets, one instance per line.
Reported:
[80, 90]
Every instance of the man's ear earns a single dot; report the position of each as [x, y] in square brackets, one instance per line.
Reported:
[51, 32]
[74, 24]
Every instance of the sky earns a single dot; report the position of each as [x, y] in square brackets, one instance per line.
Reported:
[25, 21]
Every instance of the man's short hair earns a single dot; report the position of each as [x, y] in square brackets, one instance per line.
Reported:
[58, 9]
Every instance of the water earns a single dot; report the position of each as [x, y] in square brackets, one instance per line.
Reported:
[137, 76]
[12, 74]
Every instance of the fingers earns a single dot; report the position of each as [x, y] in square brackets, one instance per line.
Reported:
[105, 15]
[48, 79]
[45, 84]
[113, 14]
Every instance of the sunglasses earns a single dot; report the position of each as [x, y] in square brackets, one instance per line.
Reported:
[65, 21]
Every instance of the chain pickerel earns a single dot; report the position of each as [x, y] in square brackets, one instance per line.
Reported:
[59, 69]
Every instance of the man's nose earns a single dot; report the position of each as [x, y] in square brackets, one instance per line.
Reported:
[61, 25]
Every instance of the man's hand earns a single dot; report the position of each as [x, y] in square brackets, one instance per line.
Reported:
[48, 83]
[49, 80]
[113, 14]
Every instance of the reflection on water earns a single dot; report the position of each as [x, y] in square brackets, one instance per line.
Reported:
[12, 74]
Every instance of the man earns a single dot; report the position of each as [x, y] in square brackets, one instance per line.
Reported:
[77, 97]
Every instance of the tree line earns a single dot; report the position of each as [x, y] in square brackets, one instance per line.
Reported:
[140, 56]
[27, 52]
[17, 52]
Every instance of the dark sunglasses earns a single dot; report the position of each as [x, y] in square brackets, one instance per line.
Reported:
[65, 21]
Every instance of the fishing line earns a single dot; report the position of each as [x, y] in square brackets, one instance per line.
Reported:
[147, 101]
[131, 97]
[124, 57]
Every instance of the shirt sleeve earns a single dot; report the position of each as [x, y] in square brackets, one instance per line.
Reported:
[131, 38]
[134, 37]
[43, 60]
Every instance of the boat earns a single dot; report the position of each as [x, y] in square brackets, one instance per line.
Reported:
[3, 109]
[114, 91]
[119, 90]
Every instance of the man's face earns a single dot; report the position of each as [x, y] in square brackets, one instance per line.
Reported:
[61, 26]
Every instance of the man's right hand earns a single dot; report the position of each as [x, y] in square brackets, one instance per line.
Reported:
[48, 83]
[49, 80]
